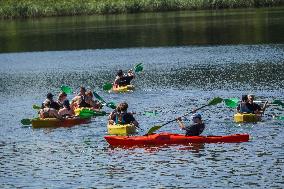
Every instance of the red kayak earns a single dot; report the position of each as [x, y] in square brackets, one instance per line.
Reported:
[169, 138]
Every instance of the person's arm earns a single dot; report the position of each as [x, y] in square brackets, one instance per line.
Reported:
[180, 123]
[55, 114]
[238, 108]
[111, 118]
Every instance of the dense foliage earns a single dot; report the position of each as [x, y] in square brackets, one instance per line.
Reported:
[38, 8]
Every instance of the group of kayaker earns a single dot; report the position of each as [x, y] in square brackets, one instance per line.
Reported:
[61, 108]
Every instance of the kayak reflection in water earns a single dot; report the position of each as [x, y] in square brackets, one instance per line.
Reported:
[123, 79]
[195, 129]
[121, 116]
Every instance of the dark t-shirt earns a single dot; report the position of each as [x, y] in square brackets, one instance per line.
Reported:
[253, 107]
[195, 129]
[123, 118]
[53, 104]
[125, 80]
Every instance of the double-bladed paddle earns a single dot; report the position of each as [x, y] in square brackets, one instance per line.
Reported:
[214, 101]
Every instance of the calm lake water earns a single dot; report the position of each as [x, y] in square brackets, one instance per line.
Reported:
[189, 58]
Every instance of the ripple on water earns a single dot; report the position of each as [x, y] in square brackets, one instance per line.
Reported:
[175, 81]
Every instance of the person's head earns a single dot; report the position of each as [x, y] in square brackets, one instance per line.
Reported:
[196, 118]
[89, 93]
[122, 107]
[250, 98]
[62, 96]
[49, 96]
[82, 90]
[66, 104]
[119, 73]
[244, 98]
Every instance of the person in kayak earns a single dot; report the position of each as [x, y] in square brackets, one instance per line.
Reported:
[195, 129]
[121, 116]
[79, 101]
[48, 112]
[61, 98]
[242, 107]
[122, 79]
[94, 104]
[66, 110]
[53, 104]
[252, 106]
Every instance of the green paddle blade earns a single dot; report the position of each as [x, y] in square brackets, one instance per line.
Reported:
[215, 101]
[88, 113]
[151, 113]
[26, 121]
[111, 105]
[153, 129]
[278, 102]
[66, 89]
[85, 115]
[279, 117]
[36, 107]
[107, 86]
[231, 102]
[138, 68]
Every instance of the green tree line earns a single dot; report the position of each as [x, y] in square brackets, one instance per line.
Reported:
[41, 8]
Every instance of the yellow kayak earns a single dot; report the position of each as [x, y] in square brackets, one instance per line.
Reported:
[244, 117]
[123, 89]
[54, 122]
[118, 129]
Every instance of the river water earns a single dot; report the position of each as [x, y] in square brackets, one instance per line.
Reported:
[188, 57]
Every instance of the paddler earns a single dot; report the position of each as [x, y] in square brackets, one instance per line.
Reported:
[124, 79]
[195, 129]
[242, 107]
[94, 104]
[79, 101]
[48, 112]
[252, 106]
[121, 116]
[53, 104]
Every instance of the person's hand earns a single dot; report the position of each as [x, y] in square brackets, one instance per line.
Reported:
[111, 122]
[194, 110]
[178, 118]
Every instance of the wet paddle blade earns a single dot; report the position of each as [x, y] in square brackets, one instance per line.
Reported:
[231, 102]
[151, 113]
[215, 101]
[111, 105]
[36, 107]
[138, 68]
[278, 102]
[153, 129]
[26, 121]
[66, 89]
[279, 117]
[107, 86]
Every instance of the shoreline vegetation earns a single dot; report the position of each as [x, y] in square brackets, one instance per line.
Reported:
[10, 9]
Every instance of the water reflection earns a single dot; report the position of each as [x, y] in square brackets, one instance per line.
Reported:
[243, 26]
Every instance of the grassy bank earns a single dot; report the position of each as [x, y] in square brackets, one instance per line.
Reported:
[40, 8]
